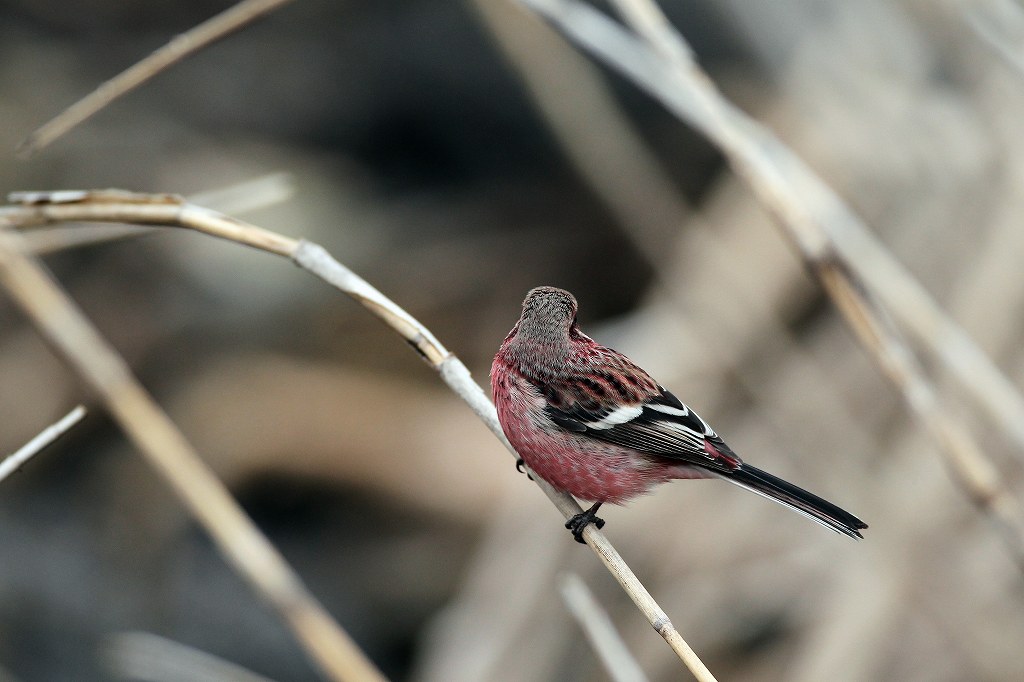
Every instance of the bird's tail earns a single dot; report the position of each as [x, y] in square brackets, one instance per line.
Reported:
[798, 499]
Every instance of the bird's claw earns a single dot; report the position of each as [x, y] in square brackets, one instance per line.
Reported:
[580, 521]
[521, 469]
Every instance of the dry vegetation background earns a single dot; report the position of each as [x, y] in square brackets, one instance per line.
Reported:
[423, 158]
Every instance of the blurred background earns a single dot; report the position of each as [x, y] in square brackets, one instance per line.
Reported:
[455, 155]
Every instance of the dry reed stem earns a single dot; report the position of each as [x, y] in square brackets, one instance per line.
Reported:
[178, 48]
[915, 308]
[597, 626]
[42, 208]
[152, 431]
[14, 461]
[806, 209]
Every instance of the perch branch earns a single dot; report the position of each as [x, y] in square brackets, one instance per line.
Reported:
[152, 431]
[51, 433]
[41, 208]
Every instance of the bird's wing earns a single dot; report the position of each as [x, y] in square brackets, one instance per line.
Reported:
[653, 422]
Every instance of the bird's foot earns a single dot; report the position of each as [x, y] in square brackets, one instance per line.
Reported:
[521, 469]
[580, 521]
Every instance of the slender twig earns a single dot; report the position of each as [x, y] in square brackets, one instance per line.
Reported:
[113, 206]
[599, 629]
[152, 431]
[13, 462]
[178, 48]
[145, 656]
[806, 209]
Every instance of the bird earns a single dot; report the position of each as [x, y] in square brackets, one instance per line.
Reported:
[591, 422]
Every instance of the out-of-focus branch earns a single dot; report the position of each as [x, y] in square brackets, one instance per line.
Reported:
[604, 148]
[915, 308]
[13, 462]
[181, 46]
[807, 210]
[41, 208]
[152, 431]
[598, 627]
[1000, 25]
[144, 656]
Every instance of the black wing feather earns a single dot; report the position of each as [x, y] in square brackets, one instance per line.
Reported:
[677, 433]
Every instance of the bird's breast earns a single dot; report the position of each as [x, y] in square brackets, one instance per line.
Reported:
[576, 463]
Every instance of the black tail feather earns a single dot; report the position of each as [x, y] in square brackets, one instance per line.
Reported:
[798, 499]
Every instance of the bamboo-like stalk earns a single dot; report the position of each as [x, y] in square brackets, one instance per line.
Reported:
[43, 208]
[658, 60]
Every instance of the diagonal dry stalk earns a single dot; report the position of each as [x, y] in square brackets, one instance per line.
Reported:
[13, 462]
[152, 431]
[178, 48]
[811, 216]
[46, 208]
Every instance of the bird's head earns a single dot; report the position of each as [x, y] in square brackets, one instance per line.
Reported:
[543, 340]
[548, 314]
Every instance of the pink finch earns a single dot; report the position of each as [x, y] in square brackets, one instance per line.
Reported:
[590, 422]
